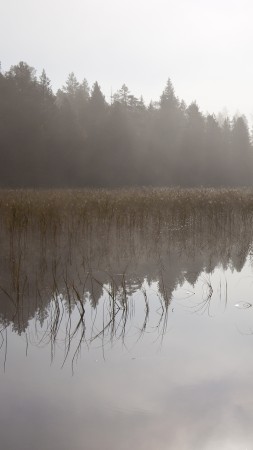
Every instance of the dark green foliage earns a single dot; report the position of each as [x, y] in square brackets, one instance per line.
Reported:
[75, 138]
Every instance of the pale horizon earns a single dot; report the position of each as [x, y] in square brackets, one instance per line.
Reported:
[203, 48]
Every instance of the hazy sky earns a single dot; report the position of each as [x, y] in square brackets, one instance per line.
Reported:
[204, 46]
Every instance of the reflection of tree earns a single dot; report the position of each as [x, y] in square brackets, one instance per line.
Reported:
[51, 276]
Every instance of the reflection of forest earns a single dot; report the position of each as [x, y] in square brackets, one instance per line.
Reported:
[79, 262]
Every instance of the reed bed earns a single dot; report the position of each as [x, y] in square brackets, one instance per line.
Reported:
[20, 208]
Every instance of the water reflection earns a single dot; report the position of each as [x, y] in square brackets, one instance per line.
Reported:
[145, 317]
[79, 284]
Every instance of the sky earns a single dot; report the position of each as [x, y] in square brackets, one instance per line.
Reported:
[203, 46]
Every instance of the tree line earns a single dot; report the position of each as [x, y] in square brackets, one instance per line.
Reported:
[75, 138]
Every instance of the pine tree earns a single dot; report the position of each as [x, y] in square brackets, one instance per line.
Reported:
[45, 85]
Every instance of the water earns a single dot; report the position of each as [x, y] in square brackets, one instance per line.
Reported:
[128, 338]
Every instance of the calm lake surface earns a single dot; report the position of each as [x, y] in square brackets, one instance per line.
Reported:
[128, 336]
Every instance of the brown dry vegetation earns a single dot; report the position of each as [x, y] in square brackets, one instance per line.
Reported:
[18, 208]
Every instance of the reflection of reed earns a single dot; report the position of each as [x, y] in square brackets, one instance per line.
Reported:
[58, 259]
[65, 325]
[204, 305]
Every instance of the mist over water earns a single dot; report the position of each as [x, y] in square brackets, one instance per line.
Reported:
[126, 225]
[127, 331]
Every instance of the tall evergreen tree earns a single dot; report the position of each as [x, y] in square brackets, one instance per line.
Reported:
[241, 156]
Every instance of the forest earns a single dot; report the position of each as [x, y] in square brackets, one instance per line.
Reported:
[75, 138]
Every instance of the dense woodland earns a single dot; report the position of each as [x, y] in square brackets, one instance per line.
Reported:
[75, 138]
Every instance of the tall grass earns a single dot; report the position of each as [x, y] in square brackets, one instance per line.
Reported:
[21, 208]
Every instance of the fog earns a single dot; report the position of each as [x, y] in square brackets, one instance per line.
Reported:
[203, 46]
[134, 93]
[75, 138]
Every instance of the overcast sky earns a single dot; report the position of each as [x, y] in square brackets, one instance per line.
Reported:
[204, 46]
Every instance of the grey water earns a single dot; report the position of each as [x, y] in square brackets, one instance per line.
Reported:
[118, 338]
